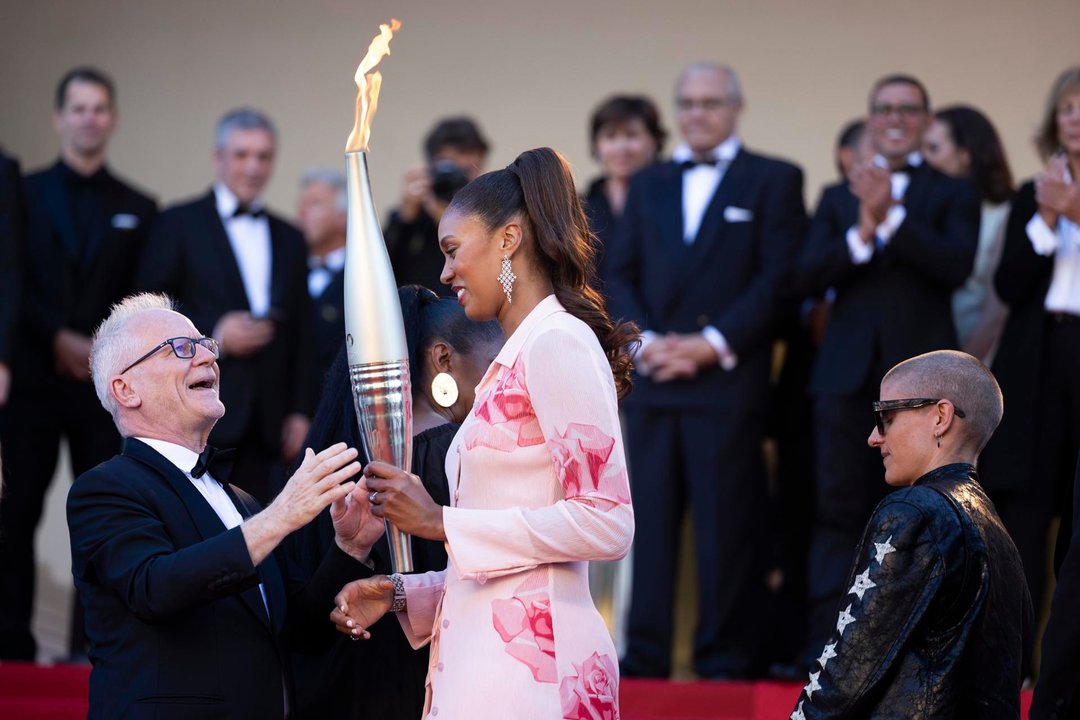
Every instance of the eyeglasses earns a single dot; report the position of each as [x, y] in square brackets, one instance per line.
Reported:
[906, 110]
[711, 104]
[885, 406]
[183, 347]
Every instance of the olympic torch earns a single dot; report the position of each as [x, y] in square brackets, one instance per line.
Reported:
[374, 331]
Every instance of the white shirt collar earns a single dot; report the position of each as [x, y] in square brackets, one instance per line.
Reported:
[914, 159]
[333, 260]
[227, 202]
[180, 456]
[725, 151]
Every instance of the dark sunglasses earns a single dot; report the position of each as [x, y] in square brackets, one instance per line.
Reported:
[883, 406]
[183, 347]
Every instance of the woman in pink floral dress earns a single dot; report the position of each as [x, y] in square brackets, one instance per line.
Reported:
[537, 474]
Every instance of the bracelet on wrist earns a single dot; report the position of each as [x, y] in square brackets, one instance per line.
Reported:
[399, 604]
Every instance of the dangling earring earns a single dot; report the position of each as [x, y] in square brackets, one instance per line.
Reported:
[507, 278]
[938, 440]
[444, 389]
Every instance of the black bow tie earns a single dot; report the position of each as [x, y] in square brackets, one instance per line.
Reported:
[218, 462]
[692, 163]
[242, 210]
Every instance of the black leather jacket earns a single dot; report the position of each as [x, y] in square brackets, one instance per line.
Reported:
[938, 615]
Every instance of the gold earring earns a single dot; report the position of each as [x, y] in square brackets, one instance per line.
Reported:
[444, 389]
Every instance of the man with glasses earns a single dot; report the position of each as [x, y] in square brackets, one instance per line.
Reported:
[84, 228]
[698, 263]
[894, 241]
[187, 611]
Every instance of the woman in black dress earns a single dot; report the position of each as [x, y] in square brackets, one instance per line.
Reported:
[384, 677]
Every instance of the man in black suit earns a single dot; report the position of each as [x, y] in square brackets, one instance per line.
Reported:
[698, 263]
[241, 271]
[186, 610]
[894, 241]
[85, 229]
[322, 215]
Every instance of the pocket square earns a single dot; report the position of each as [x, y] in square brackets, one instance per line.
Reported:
[734, 214]
[125, 221]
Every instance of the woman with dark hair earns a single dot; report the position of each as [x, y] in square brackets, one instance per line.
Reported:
[625, 136]
[448, 354]
[1031, 460]
[537, 473]
[961, 142]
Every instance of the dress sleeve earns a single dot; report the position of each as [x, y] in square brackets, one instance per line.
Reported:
[898, 572]
[422, 595]
[571, 390]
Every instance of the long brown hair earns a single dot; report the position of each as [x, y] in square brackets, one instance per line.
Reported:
[1047, 140]
[539, 188]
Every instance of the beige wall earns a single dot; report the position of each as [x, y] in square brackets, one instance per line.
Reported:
[529, 71]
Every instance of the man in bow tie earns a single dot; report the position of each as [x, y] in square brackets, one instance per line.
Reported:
[241, 273]
[187, 611]
[894, 240]
[84, 230]
[698, 263]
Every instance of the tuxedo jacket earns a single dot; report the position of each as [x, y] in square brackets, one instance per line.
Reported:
[329, 324]
[63, 288]
[11, 241]
[731, 277]
[174, 615]
[190, 258]
[899, 304]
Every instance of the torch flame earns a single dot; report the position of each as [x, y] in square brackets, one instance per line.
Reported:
[367, 87]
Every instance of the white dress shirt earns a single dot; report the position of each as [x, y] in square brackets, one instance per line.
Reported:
[860, 251]
[250, 240]
[212, 490]
[1063, 243]
[321, 271]
[699, 183]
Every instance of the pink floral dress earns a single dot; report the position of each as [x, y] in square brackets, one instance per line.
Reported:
[538, 488]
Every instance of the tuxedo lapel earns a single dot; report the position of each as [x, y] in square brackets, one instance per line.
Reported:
[669, 219]
[918, 183]
[278, 279]
[272, 581]
[59, 211]
[712, 223]
[221, 254]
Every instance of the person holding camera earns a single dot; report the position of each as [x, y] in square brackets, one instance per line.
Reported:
[456, 153]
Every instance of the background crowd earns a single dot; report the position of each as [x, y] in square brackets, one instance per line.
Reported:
[763, 324]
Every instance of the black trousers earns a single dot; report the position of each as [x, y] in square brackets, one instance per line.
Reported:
[41, 411]
[850, 484]
[710, 462]
[1027, 514]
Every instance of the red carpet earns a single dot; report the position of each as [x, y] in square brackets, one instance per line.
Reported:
[30, 692]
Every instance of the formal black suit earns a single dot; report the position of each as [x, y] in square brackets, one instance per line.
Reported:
[697, 443]
[175, 618]
[329, 323]
[891, 308]
[11, 240]
[189, 256]
[83, 238]
[1029, 460]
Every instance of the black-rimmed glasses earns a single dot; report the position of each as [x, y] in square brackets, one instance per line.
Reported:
[884, 406]
[183, 347]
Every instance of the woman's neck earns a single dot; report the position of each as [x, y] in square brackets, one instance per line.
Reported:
[527, 295]
[426, 415]
[615, 190]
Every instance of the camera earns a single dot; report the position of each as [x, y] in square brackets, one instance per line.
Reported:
[446, 179]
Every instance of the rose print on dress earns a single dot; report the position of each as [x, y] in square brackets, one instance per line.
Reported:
[524, 624]
[593, 693]
[509, 421]
[581, 454]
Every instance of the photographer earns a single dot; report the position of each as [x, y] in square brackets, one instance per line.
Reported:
[456, 152]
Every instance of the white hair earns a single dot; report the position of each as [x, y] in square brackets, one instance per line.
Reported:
[114, 347]
[333, 178]
[733, 82]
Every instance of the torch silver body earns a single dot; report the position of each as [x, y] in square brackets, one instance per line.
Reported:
[375, 342]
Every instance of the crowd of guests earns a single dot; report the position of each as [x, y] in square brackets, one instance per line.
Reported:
[757, 319]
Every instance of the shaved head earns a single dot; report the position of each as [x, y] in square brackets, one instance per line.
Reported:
[957, 377]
